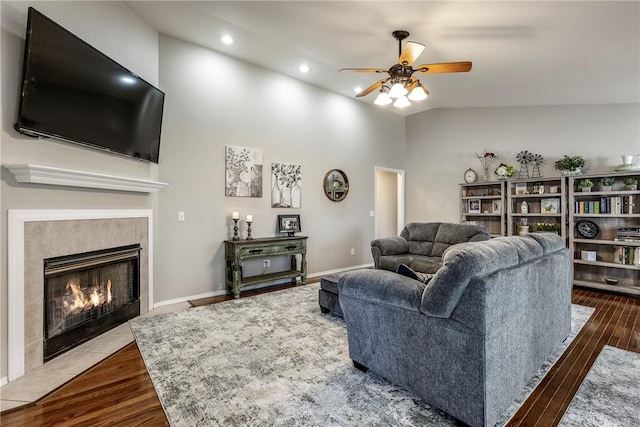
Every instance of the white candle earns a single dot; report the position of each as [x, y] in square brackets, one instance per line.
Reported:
[235, 215]
[249, 218]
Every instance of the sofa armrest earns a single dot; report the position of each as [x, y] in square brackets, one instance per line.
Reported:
[381, 287]
[388, 246]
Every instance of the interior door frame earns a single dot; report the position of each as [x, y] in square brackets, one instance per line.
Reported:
[400, 201]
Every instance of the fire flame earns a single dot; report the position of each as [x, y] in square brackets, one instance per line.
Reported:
[76, 301]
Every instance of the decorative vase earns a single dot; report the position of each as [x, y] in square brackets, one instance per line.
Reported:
[486, 173]
[607, 188]
[296, 196]
[285, 197]
[275, 195]
[631, 187]
[576, 171]
[585, 189]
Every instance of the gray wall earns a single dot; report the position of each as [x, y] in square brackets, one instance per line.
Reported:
[117, 31]
[213, 100]
[441, 145]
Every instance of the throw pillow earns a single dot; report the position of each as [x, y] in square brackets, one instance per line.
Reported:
[405, 270]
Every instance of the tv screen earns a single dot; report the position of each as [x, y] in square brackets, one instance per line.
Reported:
[73, 92]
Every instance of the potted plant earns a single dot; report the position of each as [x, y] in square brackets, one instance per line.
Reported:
[570, 165]
[504, 171]
[585, 184]
[630, 183]
[607, 183]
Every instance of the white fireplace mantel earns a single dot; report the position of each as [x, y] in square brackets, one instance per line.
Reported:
[37, 174]
[17, 218]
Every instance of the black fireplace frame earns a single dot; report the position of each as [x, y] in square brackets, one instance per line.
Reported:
[96, 324]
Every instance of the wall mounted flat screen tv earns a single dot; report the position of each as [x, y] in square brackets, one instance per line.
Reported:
[73, 92]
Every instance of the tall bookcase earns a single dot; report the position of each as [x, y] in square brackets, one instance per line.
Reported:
[602, 257]
[483, 203]
[545, 200]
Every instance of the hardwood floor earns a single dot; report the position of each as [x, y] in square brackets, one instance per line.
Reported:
[118, 391]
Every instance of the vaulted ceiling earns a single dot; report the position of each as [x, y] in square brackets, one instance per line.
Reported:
[523, 52]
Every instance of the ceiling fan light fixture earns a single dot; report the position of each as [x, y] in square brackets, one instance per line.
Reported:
[402, 102]
[383, 99]
[418, 93]
[397, 90]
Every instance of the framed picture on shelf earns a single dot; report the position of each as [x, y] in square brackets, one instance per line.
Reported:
[521, 188]
[473, 206]
[549, 206]
[496, 206]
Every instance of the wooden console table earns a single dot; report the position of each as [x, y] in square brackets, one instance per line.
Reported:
[237, 251]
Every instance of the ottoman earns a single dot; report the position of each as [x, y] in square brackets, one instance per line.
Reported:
[328, 294]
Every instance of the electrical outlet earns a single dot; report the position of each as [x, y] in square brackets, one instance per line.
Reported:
[267, 263]
[353, 251]
[180, 216]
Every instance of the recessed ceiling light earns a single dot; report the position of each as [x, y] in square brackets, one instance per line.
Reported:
[304, 68]
[226, 39]
[357, 89]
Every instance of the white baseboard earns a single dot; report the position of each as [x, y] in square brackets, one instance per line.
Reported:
[3, 381]
[340, 270]
[249, 288]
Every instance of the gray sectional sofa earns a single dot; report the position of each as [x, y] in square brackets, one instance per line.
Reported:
[469, 340]
[421, 245]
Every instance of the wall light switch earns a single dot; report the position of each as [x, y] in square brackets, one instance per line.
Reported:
[180, 216]
[372, 213]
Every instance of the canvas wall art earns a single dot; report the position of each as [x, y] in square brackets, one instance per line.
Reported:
[243, 170]
[286, 185]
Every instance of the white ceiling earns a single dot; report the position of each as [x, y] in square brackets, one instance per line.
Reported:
[523, 52]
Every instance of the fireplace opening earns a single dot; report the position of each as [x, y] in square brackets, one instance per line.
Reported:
[87, 294]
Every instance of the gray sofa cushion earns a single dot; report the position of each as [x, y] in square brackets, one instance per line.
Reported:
[424, 264]
[465, 261]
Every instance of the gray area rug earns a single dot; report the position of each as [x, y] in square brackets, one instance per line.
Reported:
[610, 393]
[275, 360]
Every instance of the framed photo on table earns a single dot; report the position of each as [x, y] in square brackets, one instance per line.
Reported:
[289, 224]
[473, 206]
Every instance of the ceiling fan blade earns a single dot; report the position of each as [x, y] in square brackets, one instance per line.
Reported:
[445, 67]
[371, 88]
[410, 53]
[365, 70]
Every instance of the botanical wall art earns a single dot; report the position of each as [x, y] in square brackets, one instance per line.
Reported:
[286, 185]
[243, 169]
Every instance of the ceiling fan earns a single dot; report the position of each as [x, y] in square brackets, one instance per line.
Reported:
[401, 80]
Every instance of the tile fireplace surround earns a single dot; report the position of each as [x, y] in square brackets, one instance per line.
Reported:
[34, 235]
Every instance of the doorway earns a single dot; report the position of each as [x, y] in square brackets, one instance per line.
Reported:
[389, 202]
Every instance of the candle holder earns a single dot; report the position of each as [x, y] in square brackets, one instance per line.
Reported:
[235, 229]
[249, 231]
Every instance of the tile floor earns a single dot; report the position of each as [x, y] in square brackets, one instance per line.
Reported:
[43, 380]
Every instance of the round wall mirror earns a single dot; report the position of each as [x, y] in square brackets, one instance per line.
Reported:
[336, 185]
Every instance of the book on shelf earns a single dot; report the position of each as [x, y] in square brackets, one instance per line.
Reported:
[626, 255]
[615, 205]
[628, 235]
